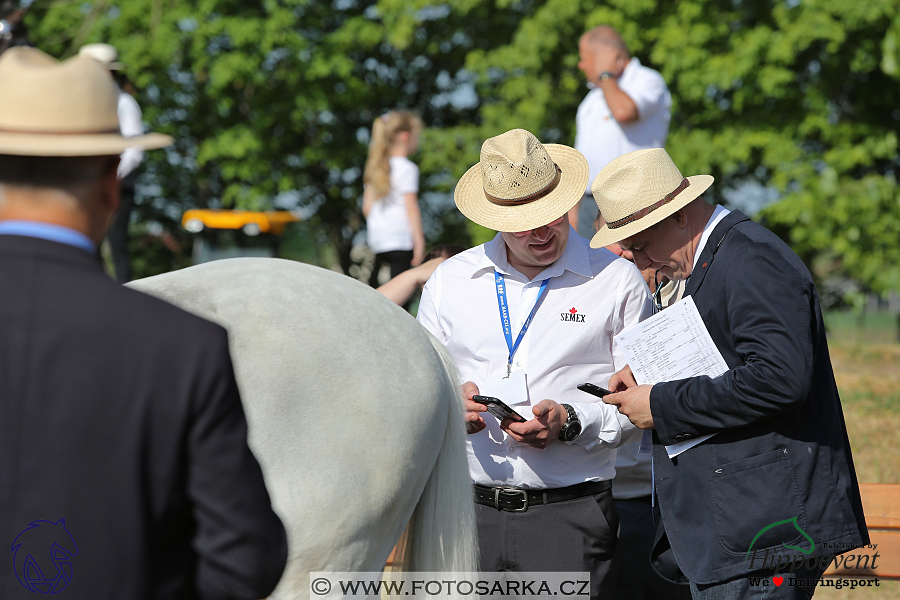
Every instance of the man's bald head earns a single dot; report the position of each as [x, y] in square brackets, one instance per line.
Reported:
[604, 35]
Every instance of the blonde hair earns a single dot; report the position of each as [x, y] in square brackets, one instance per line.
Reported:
[384, 131]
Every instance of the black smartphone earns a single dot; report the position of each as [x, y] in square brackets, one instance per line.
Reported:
[499, 409]
[596, 390]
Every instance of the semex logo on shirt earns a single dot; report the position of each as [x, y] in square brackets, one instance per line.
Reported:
[572, 315]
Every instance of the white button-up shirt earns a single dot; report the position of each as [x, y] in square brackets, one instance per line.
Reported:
[591, 296]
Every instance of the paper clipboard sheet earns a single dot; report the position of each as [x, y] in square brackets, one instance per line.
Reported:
[672, 344]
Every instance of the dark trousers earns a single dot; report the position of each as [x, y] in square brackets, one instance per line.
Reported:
[118, 234]
[636, 578]
[398, 260]
[570, 536]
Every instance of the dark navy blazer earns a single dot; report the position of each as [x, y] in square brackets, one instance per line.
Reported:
[120, 414]
[781, 449]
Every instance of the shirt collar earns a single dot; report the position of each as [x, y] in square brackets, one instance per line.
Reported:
[48, 231]
[717, 216]
[575, 258]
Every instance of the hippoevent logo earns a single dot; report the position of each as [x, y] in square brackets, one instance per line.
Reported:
[780, 562]
[42, 556]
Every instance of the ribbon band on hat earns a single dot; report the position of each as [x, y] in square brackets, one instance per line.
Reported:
[646, 211]
[32, 132]
[530, 197]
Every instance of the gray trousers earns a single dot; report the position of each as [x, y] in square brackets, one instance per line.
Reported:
[570, 536]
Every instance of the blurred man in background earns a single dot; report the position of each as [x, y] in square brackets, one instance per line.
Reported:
[124, 461]
[130, 125]
[626, 109]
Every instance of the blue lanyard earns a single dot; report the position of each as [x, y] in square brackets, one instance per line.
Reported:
[504, 317]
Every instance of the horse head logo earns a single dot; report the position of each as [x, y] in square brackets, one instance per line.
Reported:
[793, 521]
[42, 556]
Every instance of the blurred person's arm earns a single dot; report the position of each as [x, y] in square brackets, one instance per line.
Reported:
[415, 222]
[612, 60]
[368, 201]
[401, 288]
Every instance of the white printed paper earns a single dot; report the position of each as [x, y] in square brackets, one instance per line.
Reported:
[672, 344]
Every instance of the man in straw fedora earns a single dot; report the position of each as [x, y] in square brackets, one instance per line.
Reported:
[123, 445]
[527, 317]
[779, 454]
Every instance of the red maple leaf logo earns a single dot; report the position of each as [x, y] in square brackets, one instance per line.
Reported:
[572, 310]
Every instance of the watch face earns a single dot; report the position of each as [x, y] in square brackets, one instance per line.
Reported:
[572, 431]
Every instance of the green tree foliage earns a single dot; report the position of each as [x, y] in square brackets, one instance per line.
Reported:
[272, 100]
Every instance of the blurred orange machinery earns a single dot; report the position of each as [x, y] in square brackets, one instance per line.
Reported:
[250, 222]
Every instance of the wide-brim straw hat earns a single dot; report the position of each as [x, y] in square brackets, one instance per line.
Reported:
[640, 189]
[521, 184]
[53, 108]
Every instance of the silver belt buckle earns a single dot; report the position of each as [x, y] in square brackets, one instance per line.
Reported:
[511, 491]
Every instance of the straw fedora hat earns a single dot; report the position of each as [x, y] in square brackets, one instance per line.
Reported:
[105, 54]
[520, 184]
[640, 189]
[52, 108]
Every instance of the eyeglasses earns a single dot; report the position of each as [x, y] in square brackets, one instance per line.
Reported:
[550, 224]
[657, 293]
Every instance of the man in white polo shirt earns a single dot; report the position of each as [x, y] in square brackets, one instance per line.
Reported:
[527, 317]
[626, 109]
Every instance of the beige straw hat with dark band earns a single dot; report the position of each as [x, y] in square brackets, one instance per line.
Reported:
[52, 108]
[520, 184]
[640, 189]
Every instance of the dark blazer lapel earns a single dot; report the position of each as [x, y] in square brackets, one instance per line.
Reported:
[710, 249]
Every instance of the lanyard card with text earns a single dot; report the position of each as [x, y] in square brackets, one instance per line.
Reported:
[513, 390]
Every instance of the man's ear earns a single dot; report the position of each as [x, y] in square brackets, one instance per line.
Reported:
[680, 218]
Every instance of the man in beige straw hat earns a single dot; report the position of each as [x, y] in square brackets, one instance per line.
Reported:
[124, 461]
[529, 316]
[775, 484]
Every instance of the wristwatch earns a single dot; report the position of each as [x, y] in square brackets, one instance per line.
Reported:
[572, 427]
[606, 75]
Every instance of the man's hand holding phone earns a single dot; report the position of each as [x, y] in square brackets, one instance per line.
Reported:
[543, 429]
[474, 420]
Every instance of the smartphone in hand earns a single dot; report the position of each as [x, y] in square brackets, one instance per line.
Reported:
[498, 408]
[596, 390]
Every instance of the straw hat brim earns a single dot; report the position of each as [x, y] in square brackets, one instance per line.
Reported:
[90, 144]
[606, 236]
[471, 201]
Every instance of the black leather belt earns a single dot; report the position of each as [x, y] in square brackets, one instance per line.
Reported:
[518, 500]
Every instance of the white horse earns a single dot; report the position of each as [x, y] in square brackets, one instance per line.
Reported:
[354, 413]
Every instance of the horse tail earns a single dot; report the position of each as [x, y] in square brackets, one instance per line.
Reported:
[440, 536]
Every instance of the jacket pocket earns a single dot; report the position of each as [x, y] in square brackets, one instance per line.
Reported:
[752, 494]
